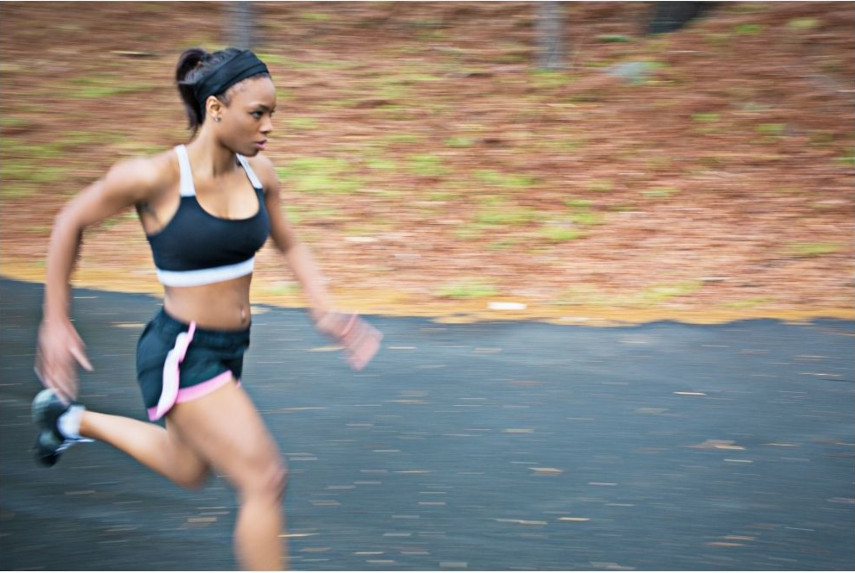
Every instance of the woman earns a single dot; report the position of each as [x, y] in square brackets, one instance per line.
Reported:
[206, 208]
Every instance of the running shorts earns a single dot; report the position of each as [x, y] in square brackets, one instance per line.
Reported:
[178, 362]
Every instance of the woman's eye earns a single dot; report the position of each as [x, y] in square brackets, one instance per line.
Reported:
[257, 114]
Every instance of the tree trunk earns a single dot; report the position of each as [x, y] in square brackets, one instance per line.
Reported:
[550, 25]
[239, 24]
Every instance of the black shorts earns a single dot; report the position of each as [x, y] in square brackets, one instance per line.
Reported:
[178, 362]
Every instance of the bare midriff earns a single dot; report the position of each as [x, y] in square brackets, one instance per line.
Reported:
[219, 306]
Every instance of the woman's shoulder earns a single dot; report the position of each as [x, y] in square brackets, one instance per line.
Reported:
[146, 175]
[264, 169]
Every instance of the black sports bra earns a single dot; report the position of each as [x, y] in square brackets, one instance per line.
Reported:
[197, 248]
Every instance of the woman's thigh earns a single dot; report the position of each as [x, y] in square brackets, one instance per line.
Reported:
[225, 428]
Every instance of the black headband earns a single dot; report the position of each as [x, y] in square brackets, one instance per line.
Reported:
[241, 65]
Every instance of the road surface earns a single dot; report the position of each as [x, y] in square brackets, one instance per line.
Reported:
[500, 446]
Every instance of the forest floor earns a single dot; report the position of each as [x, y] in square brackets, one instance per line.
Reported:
[704, 175]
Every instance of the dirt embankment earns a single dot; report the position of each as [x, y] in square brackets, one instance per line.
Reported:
[703, 175]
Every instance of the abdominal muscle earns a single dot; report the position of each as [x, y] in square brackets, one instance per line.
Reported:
[218, 306]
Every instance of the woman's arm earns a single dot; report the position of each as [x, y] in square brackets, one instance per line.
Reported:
[60, 348]
[360, 339]
[298, 256]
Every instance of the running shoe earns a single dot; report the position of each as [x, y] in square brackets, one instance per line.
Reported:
[50, 443]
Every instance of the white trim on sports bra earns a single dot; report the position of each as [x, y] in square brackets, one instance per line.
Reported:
[187, 189]
[205, 276]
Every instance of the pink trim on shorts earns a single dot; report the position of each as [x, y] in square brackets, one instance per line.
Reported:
[203, 388]
[199, 390]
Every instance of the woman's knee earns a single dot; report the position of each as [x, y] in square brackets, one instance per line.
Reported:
[274, 479]
[268, 479]
[279, 481]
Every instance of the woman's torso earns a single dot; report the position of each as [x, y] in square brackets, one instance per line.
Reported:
[204, 235]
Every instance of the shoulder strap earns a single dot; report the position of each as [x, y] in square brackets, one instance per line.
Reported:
[187, 189]
[253, 179]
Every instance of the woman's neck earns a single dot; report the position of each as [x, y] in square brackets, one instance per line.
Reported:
[208, 156]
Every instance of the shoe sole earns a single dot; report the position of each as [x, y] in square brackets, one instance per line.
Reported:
[40, 405]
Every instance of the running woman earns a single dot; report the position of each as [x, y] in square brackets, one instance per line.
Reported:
[206, 208]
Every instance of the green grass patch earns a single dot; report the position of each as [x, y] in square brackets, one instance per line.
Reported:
[547, 80]
[301, 123]
[404, 138]
[503, 245]
[717, 39]
[468, 232]
[76, 137]
[29, 172]
[427, 165]
[660, 192]
[17, 148]
[579, 203]
[748, 29]
[560, 234]
[273, 59]
[506, 215]
[660, 293]
[586, 218]
[322, 175]
[458, 142]
[802, 24]
[582, 214]
[288, 289]
[466, 290]
[13, 122]
[601, 186]
[653, 295]
[613, 39]
[381, 164]
[505, 180]
[848, 158]
[314, 17]
[582, 295]
[774, 130]
[747, 303]
[24, 178]
[139, 147]
[441, 196]
[96, 87]
[705, 117]
[570, 144]
[814, 249]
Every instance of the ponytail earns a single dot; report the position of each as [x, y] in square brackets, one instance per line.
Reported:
[191, 61]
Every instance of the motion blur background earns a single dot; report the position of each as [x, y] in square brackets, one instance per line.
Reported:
[437, 162]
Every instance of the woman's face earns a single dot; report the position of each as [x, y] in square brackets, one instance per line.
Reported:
[247, 121]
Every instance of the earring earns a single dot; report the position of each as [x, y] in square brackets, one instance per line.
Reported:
[217, 119]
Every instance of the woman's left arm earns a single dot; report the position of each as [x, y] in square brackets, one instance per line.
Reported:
[360, 339]
[297, 255]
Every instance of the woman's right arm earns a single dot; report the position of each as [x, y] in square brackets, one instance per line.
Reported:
[60, 348]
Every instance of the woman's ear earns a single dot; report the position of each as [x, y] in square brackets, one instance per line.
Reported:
[214, 108]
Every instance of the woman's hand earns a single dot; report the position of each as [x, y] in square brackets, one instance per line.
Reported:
[60, 349]
[361, 341]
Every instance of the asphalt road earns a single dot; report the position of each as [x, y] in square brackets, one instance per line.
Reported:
[499, 446]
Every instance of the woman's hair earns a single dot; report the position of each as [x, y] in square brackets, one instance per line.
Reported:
[195, 66]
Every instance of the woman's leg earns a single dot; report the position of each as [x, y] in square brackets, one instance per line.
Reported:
[162, 450]
[225, 428]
